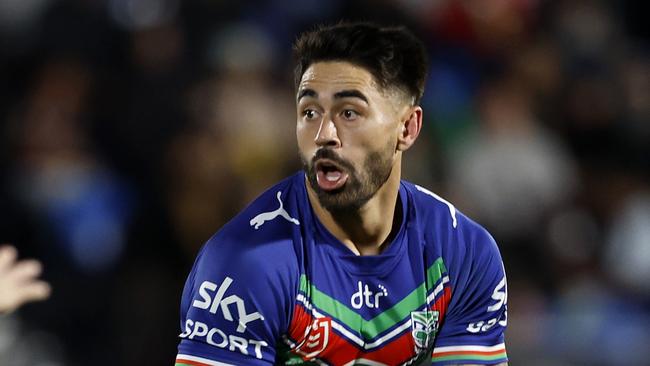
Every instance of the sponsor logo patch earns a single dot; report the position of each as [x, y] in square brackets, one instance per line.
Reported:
[260, 219]
[215, 298]
[316, 338]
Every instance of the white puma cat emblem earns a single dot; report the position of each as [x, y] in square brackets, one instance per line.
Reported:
[260, 219]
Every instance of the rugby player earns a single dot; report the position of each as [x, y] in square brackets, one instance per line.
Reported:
[344, 263]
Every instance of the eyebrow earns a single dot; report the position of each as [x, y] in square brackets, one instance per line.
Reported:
[351, 94]
[338, 95]
[307, 93]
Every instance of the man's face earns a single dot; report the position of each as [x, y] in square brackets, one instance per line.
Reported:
[347, 133]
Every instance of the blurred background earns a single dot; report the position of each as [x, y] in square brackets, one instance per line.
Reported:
[131, 130]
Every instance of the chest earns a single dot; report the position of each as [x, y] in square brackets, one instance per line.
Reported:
[380, 310]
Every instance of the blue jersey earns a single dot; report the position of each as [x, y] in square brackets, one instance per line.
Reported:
[274, 286]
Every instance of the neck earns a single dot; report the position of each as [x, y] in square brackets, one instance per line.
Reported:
[368, 230]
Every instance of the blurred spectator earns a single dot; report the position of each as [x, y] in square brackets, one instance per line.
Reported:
[81, 208]
[237, 143]
[512, 170]
[58, 176]
[627, 255]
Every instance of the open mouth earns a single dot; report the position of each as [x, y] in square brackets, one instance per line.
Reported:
[329, 175]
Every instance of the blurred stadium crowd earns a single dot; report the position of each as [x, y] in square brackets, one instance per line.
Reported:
[130, 130]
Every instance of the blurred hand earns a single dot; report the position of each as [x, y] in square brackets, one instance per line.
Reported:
[18, 281]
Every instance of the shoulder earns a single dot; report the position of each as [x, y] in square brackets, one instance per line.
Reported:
[260, 247]
[439, 216]
[265, 230]
[461, 242]
[239, 295]
[430, 206]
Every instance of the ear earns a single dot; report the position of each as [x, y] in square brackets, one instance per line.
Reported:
[409, 128]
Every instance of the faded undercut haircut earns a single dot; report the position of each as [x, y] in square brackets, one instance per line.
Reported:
[393, 55]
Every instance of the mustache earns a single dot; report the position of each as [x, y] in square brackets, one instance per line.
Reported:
[326, 153]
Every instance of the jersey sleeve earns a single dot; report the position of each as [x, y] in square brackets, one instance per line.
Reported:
[473, 329]
[234, 305]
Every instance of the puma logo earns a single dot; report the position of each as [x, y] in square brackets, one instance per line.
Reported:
[260, 219]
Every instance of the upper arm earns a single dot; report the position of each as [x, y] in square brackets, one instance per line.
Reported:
[232, 310]
[472, 332]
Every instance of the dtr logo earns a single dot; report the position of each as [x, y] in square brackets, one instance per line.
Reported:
[364, 296]
[218, 301]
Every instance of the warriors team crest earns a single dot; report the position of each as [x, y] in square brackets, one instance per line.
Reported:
[424, 325]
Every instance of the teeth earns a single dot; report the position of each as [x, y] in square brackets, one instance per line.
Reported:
[333, 176]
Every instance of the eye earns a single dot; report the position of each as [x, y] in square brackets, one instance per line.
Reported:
[309, 114]
[350, 114]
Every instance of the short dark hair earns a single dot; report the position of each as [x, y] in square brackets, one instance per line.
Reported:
[393, 55]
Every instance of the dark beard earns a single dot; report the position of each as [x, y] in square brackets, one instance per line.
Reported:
[360, 186]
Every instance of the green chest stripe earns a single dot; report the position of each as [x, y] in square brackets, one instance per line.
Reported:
[370, 329]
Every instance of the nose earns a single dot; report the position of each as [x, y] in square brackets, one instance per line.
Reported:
[327, 134]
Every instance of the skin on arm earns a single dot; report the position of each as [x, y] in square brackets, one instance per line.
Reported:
[18, 281]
